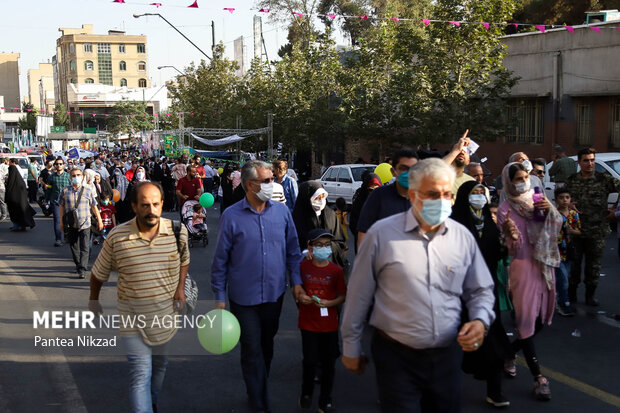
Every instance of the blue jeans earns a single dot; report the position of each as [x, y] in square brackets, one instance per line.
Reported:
[562, 275]
[259, 324]
[147, 367]
[56, 212]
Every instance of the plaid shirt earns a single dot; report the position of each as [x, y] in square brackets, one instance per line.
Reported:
[57, 183]
[68, 199]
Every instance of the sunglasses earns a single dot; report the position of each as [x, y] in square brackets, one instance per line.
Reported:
[59, 163]
[265, 181]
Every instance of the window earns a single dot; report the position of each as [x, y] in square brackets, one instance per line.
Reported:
[141, 66]
[141, 48]
[526, 121]
[615, 123]
[343, 175]
[584, 121]
[88, 47]
[71, 48]
[123, 82]
[359, 172]
[72, 65]
[88, 65]
[331, 174]
[142, 83]
[89, 80]
[103, 48]
[121, 48]
[122, 65]
[74, 81]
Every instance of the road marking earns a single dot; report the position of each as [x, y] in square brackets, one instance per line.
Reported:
[576, 384]
[63, 381]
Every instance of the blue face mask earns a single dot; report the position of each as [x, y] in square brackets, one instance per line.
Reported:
[322, 253]
[436, 211]
[403, 179]
[75, 181]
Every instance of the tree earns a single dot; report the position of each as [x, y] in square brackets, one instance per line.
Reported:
[559, 11]
[60, 116]
[129, 117]
[29, 121]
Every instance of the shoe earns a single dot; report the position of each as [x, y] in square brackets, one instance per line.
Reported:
[58, 244]
[566, 310]
[305, 402]
[81, 276]
[590, 300]
[328, 408]
[498, 401]
[96, 242]
[510, 369]
[542, 391]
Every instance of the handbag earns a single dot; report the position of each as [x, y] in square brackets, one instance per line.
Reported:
[191, 288]
[70, 219]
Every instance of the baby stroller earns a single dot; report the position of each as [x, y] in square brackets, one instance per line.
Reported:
[195, 235]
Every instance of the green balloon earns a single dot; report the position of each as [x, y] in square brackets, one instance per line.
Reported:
[206, 200]
[219, 331]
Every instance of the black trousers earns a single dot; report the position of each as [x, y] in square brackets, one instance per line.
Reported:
[259, 325]
[207, 184]
[319, 348]
[425, 381]
[80, 248]
[33, 187]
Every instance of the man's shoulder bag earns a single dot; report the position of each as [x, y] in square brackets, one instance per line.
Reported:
[191, 288]
[70, 218]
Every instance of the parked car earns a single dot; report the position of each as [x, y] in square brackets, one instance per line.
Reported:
[40, 159]
[344, 180]
[22, 162]
[608, 163]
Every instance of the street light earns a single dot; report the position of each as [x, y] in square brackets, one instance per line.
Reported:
[162, 67]
[171, 25]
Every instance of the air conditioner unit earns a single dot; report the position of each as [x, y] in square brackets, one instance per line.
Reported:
[602, 16]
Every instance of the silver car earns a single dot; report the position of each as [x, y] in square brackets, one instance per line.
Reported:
[343, 180]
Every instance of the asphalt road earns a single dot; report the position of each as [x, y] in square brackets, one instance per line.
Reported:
[583, 370]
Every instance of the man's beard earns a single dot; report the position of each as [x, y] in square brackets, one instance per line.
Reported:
[459, 162]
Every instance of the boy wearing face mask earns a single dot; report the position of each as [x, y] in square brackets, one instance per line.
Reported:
[325, 289]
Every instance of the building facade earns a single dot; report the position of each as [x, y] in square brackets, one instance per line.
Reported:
[113, 59]
[568, 93]
[41, 87]
[9, 80]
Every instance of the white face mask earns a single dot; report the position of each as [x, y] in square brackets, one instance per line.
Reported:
[528, 165]
[266, 191]
[140, 175]
[522, 187]
[319, 205]
[477, 201]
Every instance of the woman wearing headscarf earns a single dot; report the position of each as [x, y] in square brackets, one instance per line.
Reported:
[471, 209]
[310, 212]
[167, 182]
[102, 187]
[227, 187]
[121, 184]
[16, 199]
[533, 248]
[370, 181]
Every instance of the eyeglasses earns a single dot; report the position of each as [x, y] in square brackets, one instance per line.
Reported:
[321, 244]
[264, 181]
[437, 195]
[539, 171]
[59, 163]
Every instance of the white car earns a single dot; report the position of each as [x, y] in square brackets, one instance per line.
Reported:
[22, 163]
[343, 180]
[608, 163]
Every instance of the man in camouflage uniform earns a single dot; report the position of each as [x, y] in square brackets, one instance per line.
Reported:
[589, 190]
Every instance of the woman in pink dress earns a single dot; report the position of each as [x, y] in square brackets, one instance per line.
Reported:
[532, 245]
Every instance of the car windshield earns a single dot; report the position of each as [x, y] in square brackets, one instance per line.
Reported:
[615, 165]
[359, 171]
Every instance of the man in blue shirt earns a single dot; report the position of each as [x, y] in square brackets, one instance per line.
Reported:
[256, 245]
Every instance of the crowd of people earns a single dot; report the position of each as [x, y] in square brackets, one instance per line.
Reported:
[439, 256]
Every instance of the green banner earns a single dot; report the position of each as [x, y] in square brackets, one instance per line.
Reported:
[57, 129]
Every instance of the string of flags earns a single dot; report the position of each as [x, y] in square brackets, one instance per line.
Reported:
[103, 115]
[456, 23]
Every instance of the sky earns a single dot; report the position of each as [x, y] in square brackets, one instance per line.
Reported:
[30, 27]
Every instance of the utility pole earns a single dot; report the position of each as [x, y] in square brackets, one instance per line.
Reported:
[239, 142]
[212, 37]
[269, 134]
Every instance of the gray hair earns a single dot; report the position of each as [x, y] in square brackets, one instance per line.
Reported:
[431, 167]
[515, 156]
[249, 171]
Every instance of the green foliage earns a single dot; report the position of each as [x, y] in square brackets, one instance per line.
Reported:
[60, 117]
[29, 121]
[133, 118]
[560, 11]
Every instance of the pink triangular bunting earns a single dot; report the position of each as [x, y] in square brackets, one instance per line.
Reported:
[194, 5]
[426, 21]
[457, 24]
[486, 25]
[570, 29]
[540, 27]
[596, 29]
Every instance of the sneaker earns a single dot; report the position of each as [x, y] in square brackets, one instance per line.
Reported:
[328, 408]
[498, 401]
[566, 310]
[81, 276]
[58, 243]
[542, 391]
[510, 369]
[305, 402]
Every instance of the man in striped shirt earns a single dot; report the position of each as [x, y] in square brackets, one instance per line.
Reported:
[151, 278]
